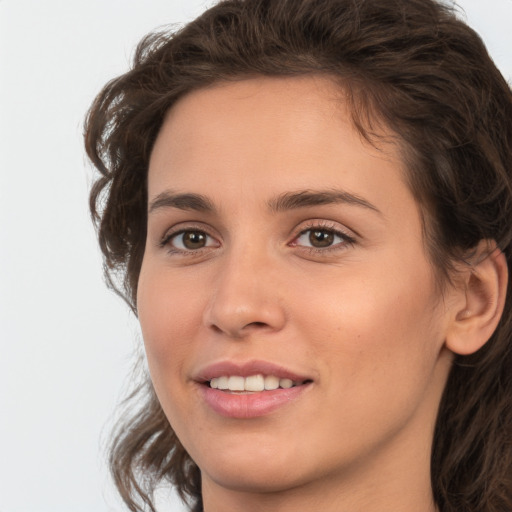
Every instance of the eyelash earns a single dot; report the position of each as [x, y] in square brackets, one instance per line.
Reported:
[321, 226]
[324, 226]
[168, 237]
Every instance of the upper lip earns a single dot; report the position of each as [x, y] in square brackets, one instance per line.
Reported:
[246, 369]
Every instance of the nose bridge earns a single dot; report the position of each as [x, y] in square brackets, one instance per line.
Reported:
[245, 297]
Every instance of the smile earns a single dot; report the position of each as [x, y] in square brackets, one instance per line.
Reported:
[249, 390]
[252, 383]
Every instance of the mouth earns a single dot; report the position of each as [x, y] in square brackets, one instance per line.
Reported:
[250, 390]
[253, 383]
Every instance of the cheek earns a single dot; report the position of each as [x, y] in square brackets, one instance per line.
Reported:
[168, 319]
[168, 315]
[378, 331]
[376, 342]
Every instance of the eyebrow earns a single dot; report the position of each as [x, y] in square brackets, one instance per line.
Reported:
[283, 202]
[167, 199]
[307, 198]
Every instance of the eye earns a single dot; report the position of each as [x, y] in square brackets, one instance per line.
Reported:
[190, 240]
[318, 238]
[322, 238]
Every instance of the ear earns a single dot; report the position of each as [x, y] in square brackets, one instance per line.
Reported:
[482, 288]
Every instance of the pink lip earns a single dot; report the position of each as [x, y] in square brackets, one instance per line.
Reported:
[250, 405]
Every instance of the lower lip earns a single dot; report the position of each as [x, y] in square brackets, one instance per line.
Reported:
[250, 405]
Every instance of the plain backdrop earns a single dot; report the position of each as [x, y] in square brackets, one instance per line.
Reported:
[66, 343]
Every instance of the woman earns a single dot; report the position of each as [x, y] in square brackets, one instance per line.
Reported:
[307, 203]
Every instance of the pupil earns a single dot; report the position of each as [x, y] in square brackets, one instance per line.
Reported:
[321, 238]
[194, 240]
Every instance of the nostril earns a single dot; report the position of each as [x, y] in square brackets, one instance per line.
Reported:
[256, 324]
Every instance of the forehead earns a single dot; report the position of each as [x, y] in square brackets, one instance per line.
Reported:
[298, 96]
[248, 125]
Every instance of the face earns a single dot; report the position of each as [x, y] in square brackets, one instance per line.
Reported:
[282, 250]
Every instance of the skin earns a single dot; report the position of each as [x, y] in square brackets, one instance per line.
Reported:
[363, 317]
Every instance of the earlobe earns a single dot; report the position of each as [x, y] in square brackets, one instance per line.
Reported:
[484, 285]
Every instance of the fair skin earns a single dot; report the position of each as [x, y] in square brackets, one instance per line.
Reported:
[333, 284]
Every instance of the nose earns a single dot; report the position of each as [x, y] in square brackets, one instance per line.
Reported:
[245, 298]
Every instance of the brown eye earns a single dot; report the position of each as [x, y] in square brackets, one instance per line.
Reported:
[191, 240]
[321, 238]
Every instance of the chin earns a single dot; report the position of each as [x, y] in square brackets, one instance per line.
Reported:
[265, 468]
[261, 478]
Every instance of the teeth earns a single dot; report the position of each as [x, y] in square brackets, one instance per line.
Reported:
[285, 383]
[236, 383]
[254, 383]
[271, 382]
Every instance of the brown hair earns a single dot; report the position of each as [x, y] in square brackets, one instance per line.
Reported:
[411, 64]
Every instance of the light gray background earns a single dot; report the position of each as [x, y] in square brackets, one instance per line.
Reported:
[65, 341]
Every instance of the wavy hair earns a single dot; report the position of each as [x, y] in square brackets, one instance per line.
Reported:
[412, 65]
